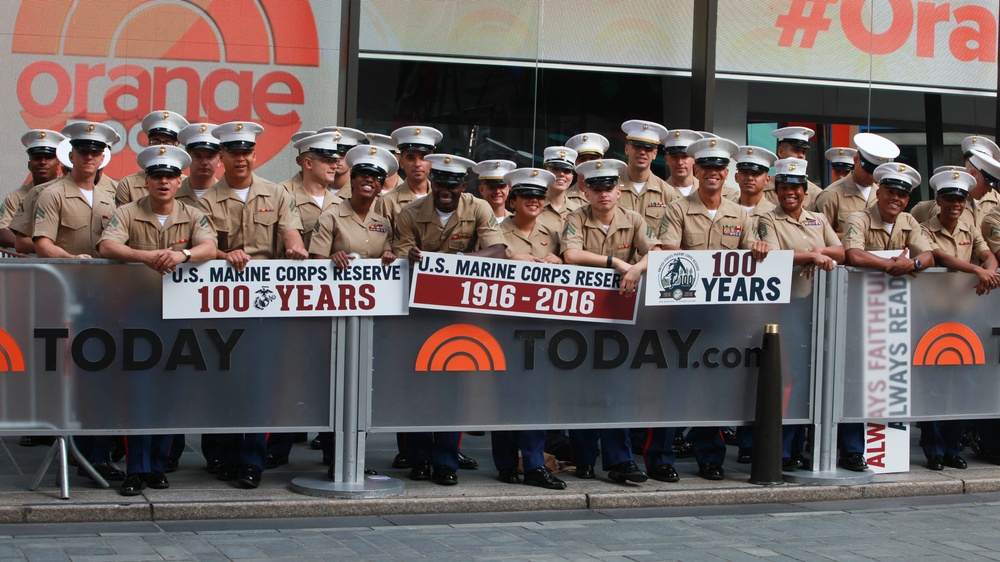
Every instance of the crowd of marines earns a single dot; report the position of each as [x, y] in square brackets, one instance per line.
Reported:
[365, 195]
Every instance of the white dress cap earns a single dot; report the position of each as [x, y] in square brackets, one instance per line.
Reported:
[493, 171]
[987, 166]
[533, 182]
[644, 133]
[171, 159]
[953, 182]
[418, 137]
[448, 169]
[162, 121]
[324, 145]
[874, 150]
[86, 134]
[372, 158]
[382, 141]
[589, 143]
[795, 136]
[678, 140]
[601, 173]
[712, 151]
[559, 157]
[238, 135]
[62, 153]
[982, 145]
[755, 158]
[346, 137]
[198, 135]
[37, 141]
[897, 175]
[841, 158]
[791, 170]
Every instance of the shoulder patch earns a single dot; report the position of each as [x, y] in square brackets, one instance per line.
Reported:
[664, 226]
[493, 219]
[851, 231]
[649, 231]
[113, 222]
[994, 231]
[570, 230]
[39, 213]
[761, 230]
[203, 222]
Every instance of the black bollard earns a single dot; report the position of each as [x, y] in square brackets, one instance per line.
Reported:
[766, 468]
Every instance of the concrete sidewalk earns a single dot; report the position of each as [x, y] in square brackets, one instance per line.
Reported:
[195, 494]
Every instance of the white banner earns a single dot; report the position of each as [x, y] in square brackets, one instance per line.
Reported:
[285, 288]
[518, 288]
[718, 277]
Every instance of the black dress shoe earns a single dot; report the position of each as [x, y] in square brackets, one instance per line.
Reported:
[248, 477]
[744, 455]
[682, 448]
[445, 475]
[509, 476]
[955, 462]
[421, 471]
[729, 436]
[370, 472]
[711, 471]
[107, 471]
[466, 463]
[854, 461]
[172, 465]
[157, 481]
[542, 478]
[227, 473]
[274, 461]
[626, 472]
[585, 471]
[400, 461]
[213, 466]
[664, 473]
[790, 463]
[316, 444]
[804, 462]
[935, 463]
[133, 485]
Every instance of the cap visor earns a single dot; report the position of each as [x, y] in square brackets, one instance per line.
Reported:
[238, 145]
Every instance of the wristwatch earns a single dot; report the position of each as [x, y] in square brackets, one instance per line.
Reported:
[916, 264]
[187, 255]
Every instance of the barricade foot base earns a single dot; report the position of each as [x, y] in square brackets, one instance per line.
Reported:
[369, 487]
[835, 477]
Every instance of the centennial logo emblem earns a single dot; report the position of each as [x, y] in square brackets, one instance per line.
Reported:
[678, 276]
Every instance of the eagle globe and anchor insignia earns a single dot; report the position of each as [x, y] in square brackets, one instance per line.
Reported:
[678, 275]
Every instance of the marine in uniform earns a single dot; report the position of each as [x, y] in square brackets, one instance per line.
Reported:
[960, 246]
[753, 166]
[841, 161]
[527, 240]
[880, 228]
[603, 234]
[815, 245]
[704, 220]
[40, 144]
[793, 142]
[560, 161]
[162, 233]
[72, 212]
[203, 148]
[982, 198]
[161, 128]
[414, 144]
[296, 180]
[642, 190]
[452, 222]
[386, 142]
[588, 146]
[347, 139]
[320, 161]
[254, 219]
[491, 185]
[858, 190]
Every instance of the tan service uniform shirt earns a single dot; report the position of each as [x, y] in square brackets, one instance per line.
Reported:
[390, 204]
[841, 199]
[340, 228]
[257, 226]
[782, 232]
[808, 203]
[574, 193]
[990, 229]
[291, 183]
[975, 210]
[309, 211]
[652, 202]
[541, 242]
[554, 219]
[12, 203]
[763, 207]
[865, 230]
[471, 227]
[23, 222]
[628, 237]
[131, 188]
[63, 216]
[689, 226]
[186, 194]
[135, 225]
[965, 243]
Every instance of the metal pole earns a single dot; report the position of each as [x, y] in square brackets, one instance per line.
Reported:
[703, 65]
[349, 444]
[766, 468]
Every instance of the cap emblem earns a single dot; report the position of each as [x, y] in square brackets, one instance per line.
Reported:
[677, 134]
[371, 136]
[417, 131]
[336, 136]
[645, 126]
[90, 128]
[599, 165]
[562, 154]
[373, 151]
[712, 142]
[42, 135]
[166, 114]
[901, 168]
[881, 159]
[203, 128]
[239, 126]
[447, 159]
[496, 165]
[954, 175]
[975, 139]
[791, 167]
[749, 150]
[585, 138]
[162, 150]
[534, 173]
